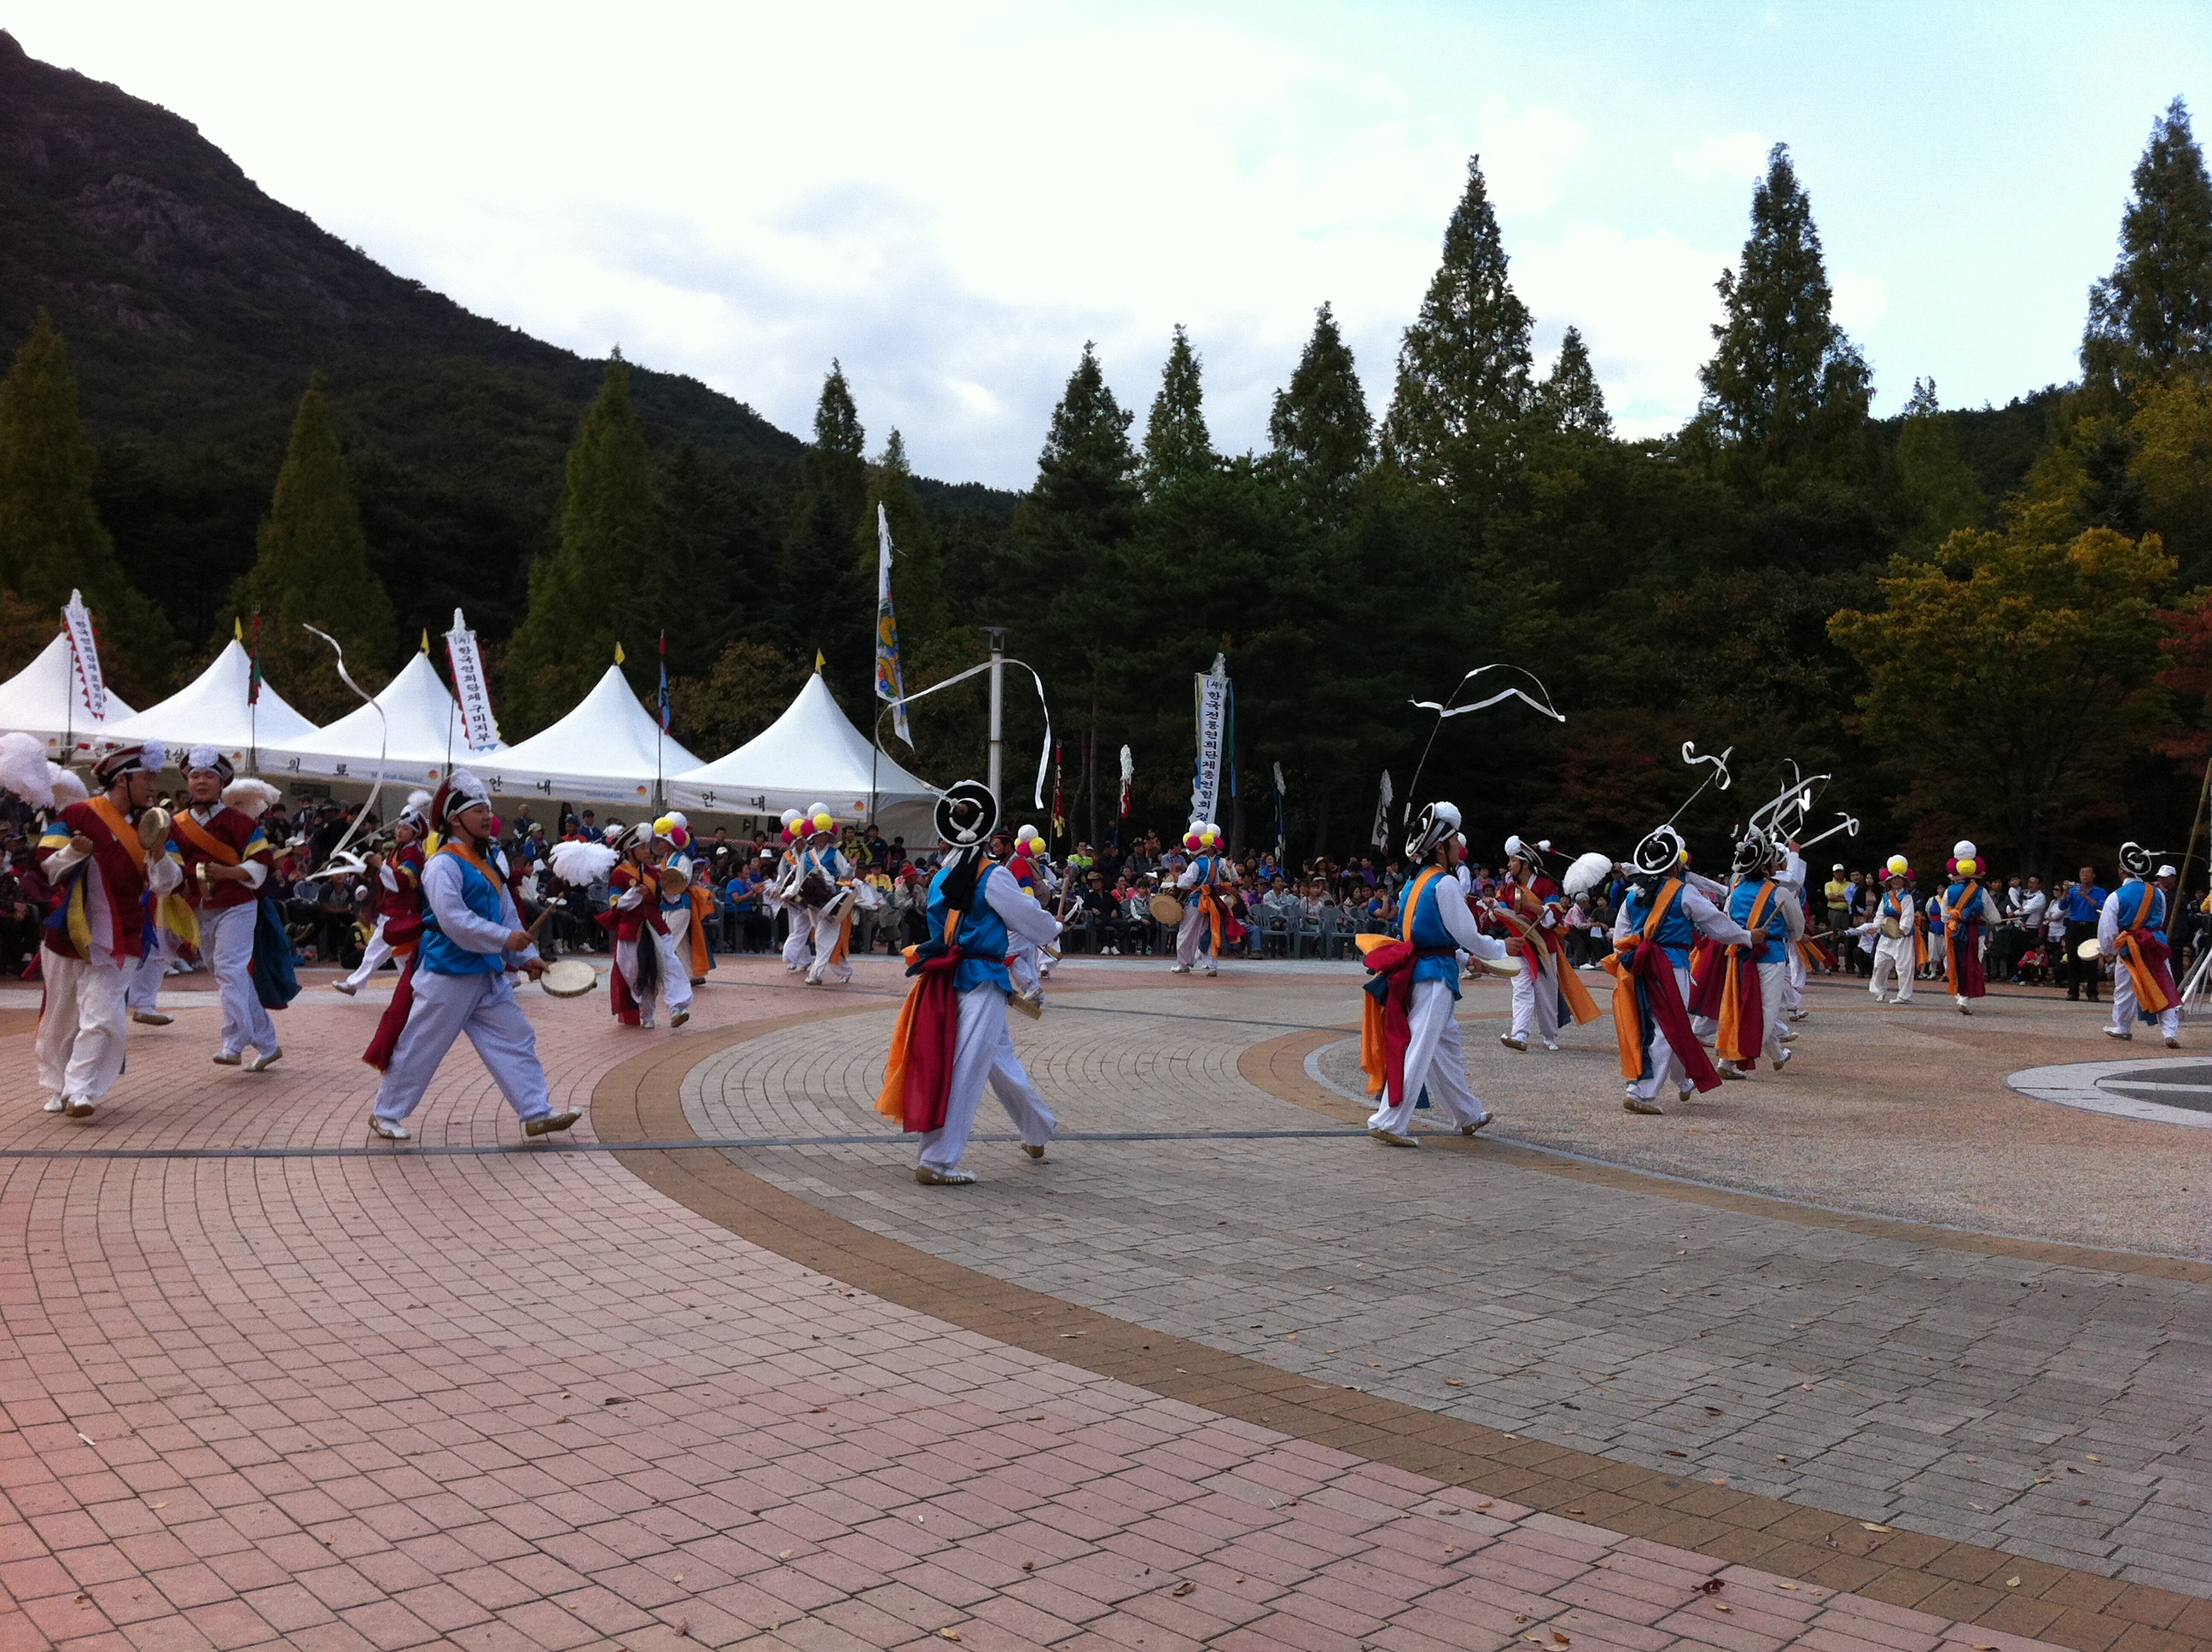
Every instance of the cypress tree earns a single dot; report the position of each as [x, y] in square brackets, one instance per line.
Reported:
[1571, 399]
[831, 597]
[1177, 446]
[1084, 473]
[1463, 366]
[917, 565]
[2154, 312]
[50, 537]
[1937, 484]
[312, 568]
[1320, 430]
[1783, 380]
[607, 579]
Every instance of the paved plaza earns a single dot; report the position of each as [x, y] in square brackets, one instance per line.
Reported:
[1882, 1351]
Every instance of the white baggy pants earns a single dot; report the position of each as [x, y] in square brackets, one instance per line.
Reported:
[483, 1007]
[143, 992]
[226, 943]
[2124, 1004]
[679, 935]
[373, 956]
[83, 1036]
[1436, 1059]
[1536, 998]
[1893, 957]
[983, 1053]
[675, 978]
[1794, 978]
[1195, 927]
[1664, 1066]
[798, 944]
[826, 928]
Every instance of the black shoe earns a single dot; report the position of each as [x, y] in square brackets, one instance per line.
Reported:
[2075, 998]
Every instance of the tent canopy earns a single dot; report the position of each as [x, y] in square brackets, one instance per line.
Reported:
[212, 710]
[45, 699]
[812, 753]
[608, 750]
[407, 744]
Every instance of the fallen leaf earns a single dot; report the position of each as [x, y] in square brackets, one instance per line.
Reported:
[158, 1505]
[683, 1629]
[1183, 1590]
[1873, 1525]
[2081, 1503]
[1574, 1511]
[785, 1555]
[1712, 1586]
[948, 1634]
[1786, 1586]
[1558, 1639]
[1717, 1607]
[1453, 1382]
[86, 1600]
[88, 1440]
[1039, 1418]
[1481, 1506]
[2011, 1582]
[1029, 1565]
[1712, 1410]
[1678, 1453]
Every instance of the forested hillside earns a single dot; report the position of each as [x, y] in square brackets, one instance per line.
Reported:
[1987, 623]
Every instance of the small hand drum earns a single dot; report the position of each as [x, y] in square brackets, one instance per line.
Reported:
[569, 978]
[1167, 909]
[2089, 949]
[153, 829]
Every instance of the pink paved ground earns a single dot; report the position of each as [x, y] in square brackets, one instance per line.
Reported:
[521, 1400]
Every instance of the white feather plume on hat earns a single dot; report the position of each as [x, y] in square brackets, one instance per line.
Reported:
[68, 785]
[249, 796]
[580, 863]
[25, 771]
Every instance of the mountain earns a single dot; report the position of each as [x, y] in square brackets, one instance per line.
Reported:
[196, 308]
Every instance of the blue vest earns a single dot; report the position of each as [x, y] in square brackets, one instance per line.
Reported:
[1978, 913]
[2131, 895]
[1424, 926]
[1677, 934]
[1742, 898]
[443, 957]
[981, 937]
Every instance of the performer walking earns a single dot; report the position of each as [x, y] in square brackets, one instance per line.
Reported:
[1751, 977]
[1409, 1033]
[1202, 913]
[95, 855]
[2131, 932]
[1894, 932]
[645, 967]
[226, 859]
[1968, 912]
[398, 894]
[952, 1038]
[1661, 917]
[825, 877]
[472, 943]
[783, 897]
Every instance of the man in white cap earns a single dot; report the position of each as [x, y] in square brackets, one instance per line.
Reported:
[473, 943]
[225, 860]
[1891, 928]
[1528, 906]
[398, 892]
[91, 853]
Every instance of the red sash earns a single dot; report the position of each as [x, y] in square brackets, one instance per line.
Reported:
[1645, 995]
[1384, 1028]
[2148, 960]
[1964, 954]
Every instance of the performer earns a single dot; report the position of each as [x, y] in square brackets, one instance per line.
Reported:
[784, 896]
[2131, 932]
[226, 859]
[460, 980]
[1409, 1039]
[1204, 910]
[1749, 979]
[92, 854]
[398, 895]
[824, 875]
[1661, 917]
[645, 967]
[952, 1037]
[1789, 884]
[1894, 932]
[1022, 853]
[679, 907]
[1967, 912]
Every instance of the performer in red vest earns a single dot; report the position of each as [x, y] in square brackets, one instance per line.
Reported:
[398, 896]
[645, 967]
[96, 936]
[225, 860]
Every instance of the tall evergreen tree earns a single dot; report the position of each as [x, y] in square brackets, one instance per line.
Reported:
[312, 568]
[1319, 429]
[2154, 312]
[1938, 487]
[1571, 399]
[834, 601]
[917, 565]
[1463, 366]
[608, 579]
[1177, 446]
[1784, 380]
[1084, 473]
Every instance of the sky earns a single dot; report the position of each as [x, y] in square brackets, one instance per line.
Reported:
[952, 200]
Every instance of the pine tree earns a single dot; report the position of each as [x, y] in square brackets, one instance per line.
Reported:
[312, 568]
[1177, 446]
[607, 579]
[1571, 398]
[917, 566]
[2153, 313]
[1464, 367]
[50, 537]
[1083, 473]
[1938, 486]
[1319, 429]
[834, 601]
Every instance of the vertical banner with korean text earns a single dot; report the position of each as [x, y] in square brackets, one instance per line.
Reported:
[90, 689]
[479, 728]
[1213, 692]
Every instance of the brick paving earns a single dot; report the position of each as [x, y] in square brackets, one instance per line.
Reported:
[507, 1399]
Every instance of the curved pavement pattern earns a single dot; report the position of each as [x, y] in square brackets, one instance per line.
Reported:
[489, 1395]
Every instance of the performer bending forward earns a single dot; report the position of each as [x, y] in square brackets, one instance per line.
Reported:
[952, 1037]
[1661, 918]
[1409, 1037]
[472, 943]
[646, 965]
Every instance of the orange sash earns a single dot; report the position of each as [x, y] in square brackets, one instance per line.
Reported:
[209, 847]
[2150, 991]
[1627, 1026]
[1728, 1043]
[1951, 952]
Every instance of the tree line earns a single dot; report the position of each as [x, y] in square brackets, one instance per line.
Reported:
[1986, 623]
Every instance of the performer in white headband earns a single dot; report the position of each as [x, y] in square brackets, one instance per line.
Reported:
[2131, 932]
[399, 893]
[225, 860]
[1661, 918]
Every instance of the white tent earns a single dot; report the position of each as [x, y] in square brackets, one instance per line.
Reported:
[45, 699]
[812, 753]
[212, 710]
[408, 745]
[606, 750]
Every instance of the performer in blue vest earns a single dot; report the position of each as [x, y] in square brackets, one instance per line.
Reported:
[952, 1038]
[2131, 934]
[1967, 911]
[472, 943]
[1661, 915]
[1761, 902]
[1203, 884]
[1409, 1037]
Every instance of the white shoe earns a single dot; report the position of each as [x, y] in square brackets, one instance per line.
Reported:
[1799, 1015]
[646, 1021]
[227, 1059]
[1729, 1070]
[77, 1107]
[55, 1103]
[390, 1129]
[1178, 969]
[1551, 1045]
[930, 1178]
[2173, 1043]
[151, 1018]
[1783, 1060]
[1787, 1037]
[345, 986]
[1512, 1043]
[2114, 1032]
[1635, 1104]
[679, 1018]
[265, 1060]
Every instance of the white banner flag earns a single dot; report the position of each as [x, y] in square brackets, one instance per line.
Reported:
[479, 728]
[1380, 835]
[91, 689]
[1212, 691]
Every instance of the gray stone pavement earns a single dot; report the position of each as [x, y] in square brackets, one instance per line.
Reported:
[2052, 1411]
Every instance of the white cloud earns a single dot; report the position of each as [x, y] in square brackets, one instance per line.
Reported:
[1857, 300]
[1525, 155]
[1742, 155]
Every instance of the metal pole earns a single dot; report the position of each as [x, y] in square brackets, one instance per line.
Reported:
[998, 635]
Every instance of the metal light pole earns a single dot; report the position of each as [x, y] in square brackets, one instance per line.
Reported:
[998, 635]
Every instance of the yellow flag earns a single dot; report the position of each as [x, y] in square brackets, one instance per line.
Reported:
[426, 639]
[618, 653]
[237, 629]
[818, 662]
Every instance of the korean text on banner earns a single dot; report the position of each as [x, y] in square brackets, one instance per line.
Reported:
[479, 728]
[1213, 689]
[91, 688]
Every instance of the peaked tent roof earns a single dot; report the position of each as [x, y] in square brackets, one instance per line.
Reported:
[606, 750]
[812, 753]
[44, 699]
[212, 710]
[420, 725]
